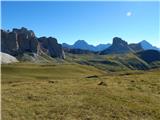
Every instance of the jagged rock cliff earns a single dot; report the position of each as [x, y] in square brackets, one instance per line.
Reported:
[51, 47]
[8, 42]
[118, 46]
[20, 41]
[26, 40]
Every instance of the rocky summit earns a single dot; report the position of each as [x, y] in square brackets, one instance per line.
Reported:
[118, 46]
[19, 41]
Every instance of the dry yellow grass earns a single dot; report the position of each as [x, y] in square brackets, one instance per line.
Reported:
[72, 92]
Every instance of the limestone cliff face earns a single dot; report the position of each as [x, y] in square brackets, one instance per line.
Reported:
[51, 47]
[26, 40]
[8, 42]
[20, 41]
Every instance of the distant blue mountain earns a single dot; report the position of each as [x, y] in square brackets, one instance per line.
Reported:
[81, 44]
[65, 45]
[101, 47]
[147, 46]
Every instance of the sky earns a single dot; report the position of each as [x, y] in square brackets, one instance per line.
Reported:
[95, 22]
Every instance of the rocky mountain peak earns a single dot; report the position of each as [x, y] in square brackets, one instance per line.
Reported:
[24, 31]
[20, 41]
[118, 41]
[118, 46]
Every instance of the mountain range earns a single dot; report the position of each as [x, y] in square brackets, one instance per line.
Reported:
[83, 45]
[22, 45]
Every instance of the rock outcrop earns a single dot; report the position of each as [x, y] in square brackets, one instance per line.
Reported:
[8, 42]
[20, 41]
[26, 40]
[118, 46]
[51, 47]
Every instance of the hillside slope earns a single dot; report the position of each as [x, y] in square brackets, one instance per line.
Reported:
[72, 91]
[112, 62]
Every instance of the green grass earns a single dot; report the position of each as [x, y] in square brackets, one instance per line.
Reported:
[63, 92]
[113, 62]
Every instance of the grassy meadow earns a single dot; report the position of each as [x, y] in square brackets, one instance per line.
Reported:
[78, 92]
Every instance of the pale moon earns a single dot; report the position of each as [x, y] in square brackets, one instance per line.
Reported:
[129, 14]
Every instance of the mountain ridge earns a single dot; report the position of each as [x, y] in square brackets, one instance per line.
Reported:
[19, 42]
[118, 46]
[142, 45]
[78, 45]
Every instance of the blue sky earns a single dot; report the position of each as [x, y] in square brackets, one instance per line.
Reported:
[95, 22]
